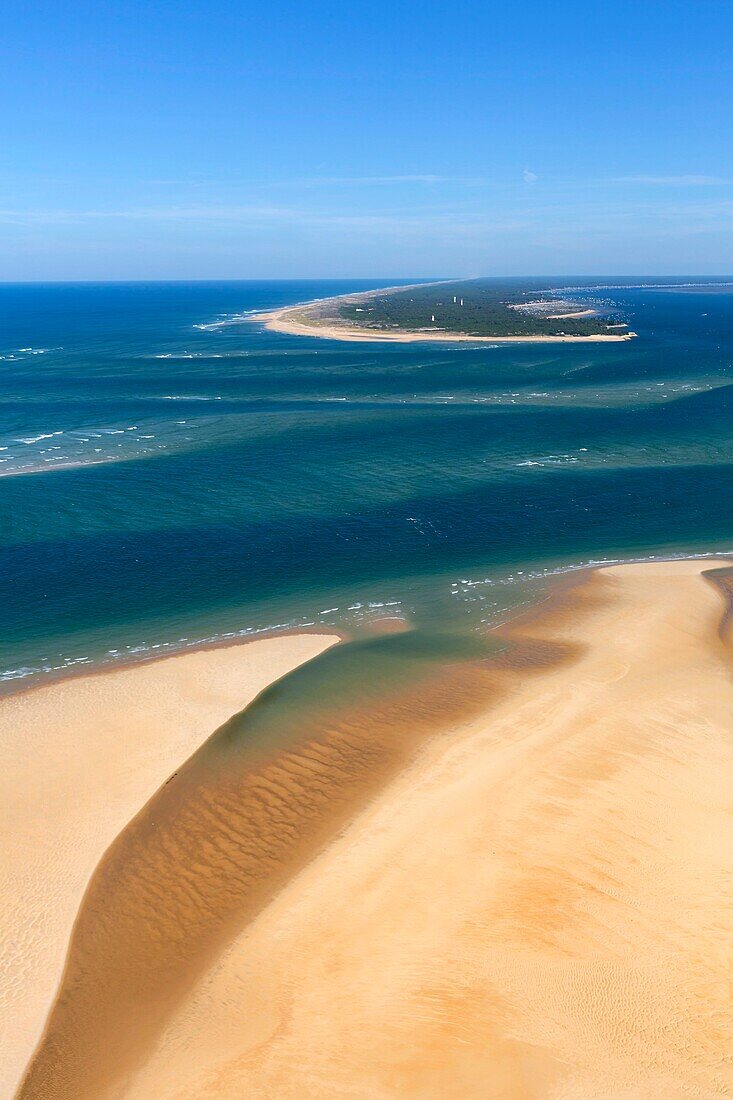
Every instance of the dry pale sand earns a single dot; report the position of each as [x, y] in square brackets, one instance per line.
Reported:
[575, 313]
[296, 322]
[78, 759]
[539, 906]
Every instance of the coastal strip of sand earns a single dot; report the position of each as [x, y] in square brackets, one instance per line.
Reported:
[539, 906]
[533, 900]
[574, 313]
[78, 758]
[296, 321]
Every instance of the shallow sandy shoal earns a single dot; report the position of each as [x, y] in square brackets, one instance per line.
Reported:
[78, 759]
[538, 907]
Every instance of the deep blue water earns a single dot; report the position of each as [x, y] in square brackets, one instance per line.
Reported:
[171, 472]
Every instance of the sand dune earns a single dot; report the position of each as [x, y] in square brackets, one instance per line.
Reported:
[77, 760]
[537, 903]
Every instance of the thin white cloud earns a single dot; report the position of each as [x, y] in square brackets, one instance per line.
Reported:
[662, 214]
[260, 217]
[366, 181]
[421, 178]
[674, 181]
[529, 177]
[324, 181]
[213, 212]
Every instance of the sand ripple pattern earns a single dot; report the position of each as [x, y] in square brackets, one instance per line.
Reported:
[220, 838]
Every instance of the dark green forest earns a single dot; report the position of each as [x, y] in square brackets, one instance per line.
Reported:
[486, 310]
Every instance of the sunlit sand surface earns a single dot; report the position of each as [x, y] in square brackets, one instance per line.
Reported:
[77, 760]
[510, 878]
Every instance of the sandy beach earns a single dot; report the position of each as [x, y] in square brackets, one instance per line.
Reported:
[573, 313]
[79, 759]
[295, 321]
[534, 901]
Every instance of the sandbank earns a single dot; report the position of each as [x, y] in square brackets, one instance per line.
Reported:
[78, 758]
[539, 906]
[537, 903]
[574, 313]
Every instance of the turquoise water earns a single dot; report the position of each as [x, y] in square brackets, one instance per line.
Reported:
[172, 473]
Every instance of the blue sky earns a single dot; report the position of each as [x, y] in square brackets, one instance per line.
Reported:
[231, 140]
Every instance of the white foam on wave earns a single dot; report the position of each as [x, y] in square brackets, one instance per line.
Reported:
[22, 353]
[38, 438]
[552, 460]
[228, 319]
[521, 575]
[90, 445]
[188, 397]
[199, 355]
[62, 462]
[142, 650]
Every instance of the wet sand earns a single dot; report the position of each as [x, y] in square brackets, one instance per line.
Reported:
[509, 880]
[78, 758]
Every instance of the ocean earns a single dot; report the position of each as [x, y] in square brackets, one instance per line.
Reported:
[172, 474]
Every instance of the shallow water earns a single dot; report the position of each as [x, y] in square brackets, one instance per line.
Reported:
[172, 473]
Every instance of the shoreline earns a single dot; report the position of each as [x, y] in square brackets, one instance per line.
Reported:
[82, 668]
[14, 686]
[600, 626]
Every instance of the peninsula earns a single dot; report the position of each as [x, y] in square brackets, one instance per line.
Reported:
[458, 310]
